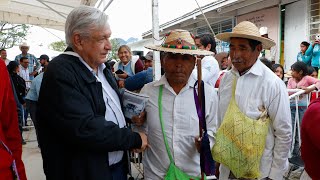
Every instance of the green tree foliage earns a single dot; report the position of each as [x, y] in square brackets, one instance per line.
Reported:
[12, 34]
[115, 43]
[58, 46]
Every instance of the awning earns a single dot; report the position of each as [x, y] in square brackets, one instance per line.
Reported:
[44, 13]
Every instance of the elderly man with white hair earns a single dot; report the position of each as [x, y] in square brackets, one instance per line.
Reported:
[82, 130]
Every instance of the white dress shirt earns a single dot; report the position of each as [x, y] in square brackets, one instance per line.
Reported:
[24, 73]
[256, 88]
[113, 108]
[210, 70]
[181, 125]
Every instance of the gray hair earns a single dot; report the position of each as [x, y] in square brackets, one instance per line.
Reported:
[83, 20]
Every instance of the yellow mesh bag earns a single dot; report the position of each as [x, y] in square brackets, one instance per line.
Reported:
[240, 141]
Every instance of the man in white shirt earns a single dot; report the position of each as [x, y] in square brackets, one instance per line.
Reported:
[181, 122]
[256, 88]
[24, 71]
[269, 53]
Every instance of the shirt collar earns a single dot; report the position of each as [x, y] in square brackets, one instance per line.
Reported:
[256, 69]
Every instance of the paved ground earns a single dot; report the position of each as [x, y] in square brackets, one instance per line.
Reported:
[32, 159]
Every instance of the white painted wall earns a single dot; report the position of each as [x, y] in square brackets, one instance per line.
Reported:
[295, 31]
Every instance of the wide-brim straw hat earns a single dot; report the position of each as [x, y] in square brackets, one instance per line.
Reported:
[181, 42]
[246, 30]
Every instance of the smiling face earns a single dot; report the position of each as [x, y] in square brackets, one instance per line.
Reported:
[124, 54]
[242, 55]
[178, 68]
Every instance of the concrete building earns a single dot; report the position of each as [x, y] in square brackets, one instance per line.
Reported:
[289, 23]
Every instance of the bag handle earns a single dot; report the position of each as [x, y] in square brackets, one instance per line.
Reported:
[162, 124]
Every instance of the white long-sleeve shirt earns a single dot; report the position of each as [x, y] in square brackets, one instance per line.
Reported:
[261, 87]
[181, 125]
[210, 70]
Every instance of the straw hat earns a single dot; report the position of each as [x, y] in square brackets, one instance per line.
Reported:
[246, 30]
[24, 44]
[288, 74]
[179, 41]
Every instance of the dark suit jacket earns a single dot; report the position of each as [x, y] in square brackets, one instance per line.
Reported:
[74, 136]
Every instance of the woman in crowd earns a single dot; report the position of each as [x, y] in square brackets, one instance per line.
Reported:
[127, 66]
[278, 70]
[18, 82]
[300, 80]
[302, 55]
[209, 65]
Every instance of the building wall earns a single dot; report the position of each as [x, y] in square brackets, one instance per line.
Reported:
[269, 18]
[295, 30]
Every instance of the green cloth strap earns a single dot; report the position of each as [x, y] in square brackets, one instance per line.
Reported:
[162, 125]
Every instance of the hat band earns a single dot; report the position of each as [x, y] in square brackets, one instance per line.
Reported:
[179, 46]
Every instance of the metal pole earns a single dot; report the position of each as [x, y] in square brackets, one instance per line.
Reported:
[155, 34]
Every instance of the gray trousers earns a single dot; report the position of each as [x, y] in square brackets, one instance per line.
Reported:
[32, 107]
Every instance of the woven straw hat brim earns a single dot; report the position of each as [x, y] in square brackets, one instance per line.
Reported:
[179, 51]
[266, 43]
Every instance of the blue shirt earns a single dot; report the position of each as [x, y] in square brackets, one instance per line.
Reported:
[126, 68]
[33, 93]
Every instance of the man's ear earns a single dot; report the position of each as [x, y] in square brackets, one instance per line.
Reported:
[77, 41]
[208, 47]
[259, 47]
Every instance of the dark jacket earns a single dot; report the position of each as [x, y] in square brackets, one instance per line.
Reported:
[74, 136]
[20, 86]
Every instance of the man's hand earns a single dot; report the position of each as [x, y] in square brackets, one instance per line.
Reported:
[197, 141]
[33, 73]
[121, 83]
[144, 139]
[139, 120]
[123, 76]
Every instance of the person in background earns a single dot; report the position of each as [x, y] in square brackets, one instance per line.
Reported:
[44, 61]
[128, 65]
[34, 65]
[254, 89]
[312, 72]
[111, 64]
[278, 70]
[10, 139]
[300, 80]
[24, 73]
[222, 59]
[3, 54]
[20, 89]
[209, 65]
[33, 93]
[137, 81]
[310, 141]
[270, 53]
[302, 56]
[82, 129]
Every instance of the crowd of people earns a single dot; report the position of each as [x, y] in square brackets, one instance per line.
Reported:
[225, 114]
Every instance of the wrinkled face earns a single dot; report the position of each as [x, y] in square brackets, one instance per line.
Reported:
[178, 67]
[25, 63]
[24, 49]
[279, 72]
[124, 55]
[3, 54]
[94, 49]
[147, 64]
[303, 48]
[242, 56]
